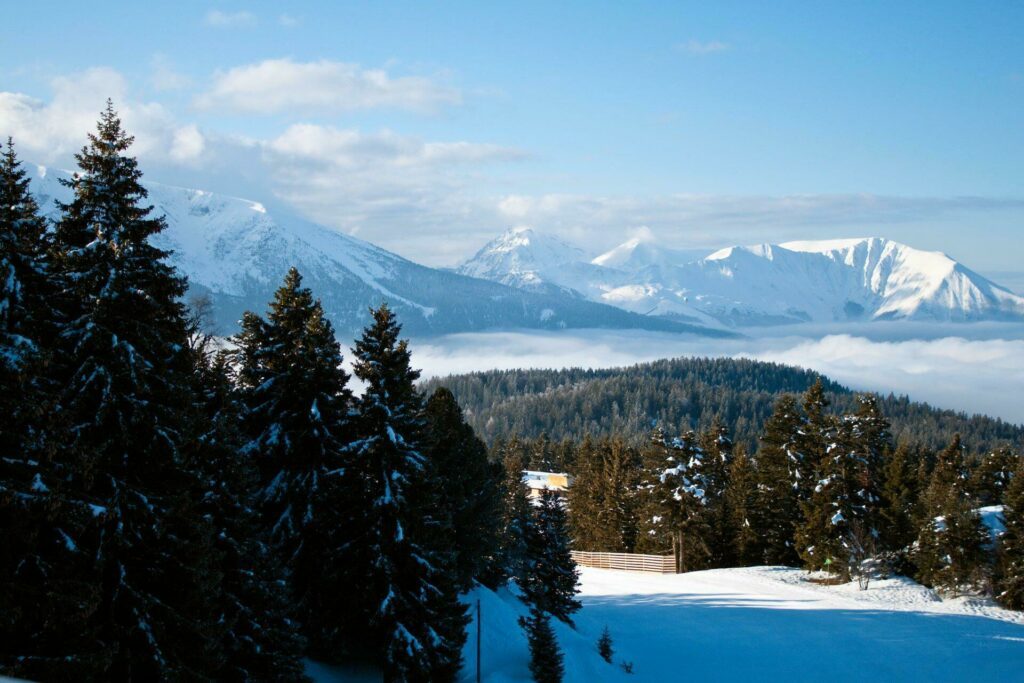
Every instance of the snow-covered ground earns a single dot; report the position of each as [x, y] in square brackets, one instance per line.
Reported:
[753, 624]
[769, 623]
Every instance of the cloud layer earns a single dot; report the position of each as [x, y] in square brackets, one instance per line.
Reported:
[972, 375]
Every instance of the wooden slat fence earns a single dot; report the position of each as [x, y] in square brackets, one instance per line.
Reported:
[662, 564]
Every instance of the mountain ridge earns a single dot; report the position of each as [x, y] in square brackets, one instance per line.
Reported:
[237, 253]
[831, 281]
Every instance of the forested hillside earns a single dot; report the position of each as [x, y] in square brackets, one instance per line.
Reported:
[682, 394]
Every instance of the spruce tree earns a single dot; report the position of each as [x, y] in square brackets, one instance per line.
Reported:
[546, 659]
[812, 440]
[49, 593]
[127, 397]
[468, 487]
[718, 447]
[551, 580]
[516, 523]
[261, 640]
[415, 613]
[951, 540]
[836, 531]
[586, 501]
[776, 513]
[678, 496]
[1009, 578]
[991, 477]
[742, 500]
[604, 645]
[899, 496]
[296, 427]
[619, 508]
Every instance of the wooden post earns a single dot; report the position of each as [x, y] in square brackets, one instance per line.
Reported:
[478, 630]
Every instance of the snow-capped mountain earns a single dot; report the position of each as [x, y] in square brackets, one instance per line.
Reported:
[810, 281]
[526, 259]
[237, 252]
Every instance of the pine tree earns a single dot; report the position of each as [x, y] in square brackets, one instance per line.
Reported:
[602, 499]
[776, 513]
[950, 543]
[718, 447]
[678, 496]
[296, 426]
[546, 660]
[899, 499]
[619, 509]
[586, 501]
[1009, 578]
[469, 501]
[836, 526]
[551, 580]
[261, 641]
[48, 591]
[542, 455]
[812, 440]
[127, 396]
[516, 523]
[604, 645]
[742, 499]
[873, 442]
[415, 613]
[992, 476]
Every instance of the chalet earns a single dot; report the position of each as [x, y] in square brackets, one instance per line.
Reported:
[538, 482]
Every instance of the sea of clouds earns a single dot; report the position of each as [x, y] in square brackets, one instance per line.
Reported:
[971, 368]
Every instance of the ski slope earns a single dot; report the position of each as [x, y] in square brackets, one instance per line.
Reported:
[749, 624]
[770, 624]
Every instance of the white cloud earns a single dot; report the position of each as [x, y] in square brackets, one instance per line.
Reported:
[221, 19]
[393, 189]
[49, 132]
[282, 84]
[289, 21]
[696, 47]
[981, 375]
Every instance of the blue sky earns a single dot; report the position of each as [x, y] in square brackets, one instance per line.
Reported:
[429, 127]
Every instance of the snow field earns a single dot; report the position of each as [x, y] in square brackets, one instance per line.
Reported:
[770, 623]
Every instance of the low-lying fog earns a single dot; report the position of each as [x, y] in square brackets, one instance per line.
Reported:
[976, 368]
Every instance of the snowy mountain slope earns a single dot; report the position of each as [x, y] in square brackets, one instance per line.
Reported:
[811, 281]
[237, 252]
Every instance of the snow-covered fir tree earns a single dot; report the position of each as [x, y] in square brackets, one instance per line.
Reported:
[48, 591]
[551, 579]
[414, 613]
[677, 496]
[776, 513]
[296, 424]
[741, 496]
[516, 522]
[950, 544]
[991, 477]
[718, 449]
[261, 639]
[126, 395]
[1009, 578]
[899, 494]
[836, 531]
[546, 660]
[812, 440]
[467, 506]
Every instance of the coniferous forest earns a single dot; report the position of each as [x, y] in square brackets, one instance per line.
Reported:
[178, 508]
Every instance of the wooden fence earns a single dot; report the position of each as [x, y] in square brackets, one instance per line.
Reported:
[662, 564]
